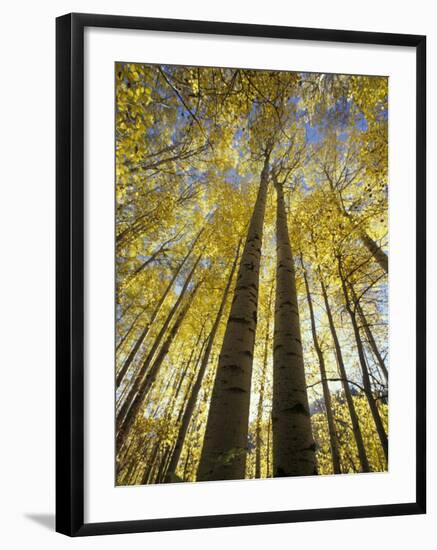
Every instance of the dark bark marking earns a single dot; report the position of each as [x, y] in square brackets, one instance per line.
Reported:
[241, 320]
[297, 409]
[233, 367]
[235, 389]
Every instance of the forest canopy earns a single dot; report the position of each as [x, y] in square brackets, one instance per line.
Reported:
[251, 273]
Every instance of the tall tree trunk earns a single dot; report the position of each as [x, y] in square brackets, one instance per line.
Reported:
[364, 462]
[262, 388]
[335, 453]
[369, 334]
[364, 370]
[151, 374]
[145, 331]
[293, 443]
[225, 443]
[188, 412]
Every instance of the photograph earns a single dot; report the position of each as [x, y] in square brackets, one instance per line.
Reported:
[251, 273]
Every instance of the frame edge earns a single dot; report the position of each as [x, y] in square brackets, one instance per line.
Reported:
[69, 276]
[70, 264]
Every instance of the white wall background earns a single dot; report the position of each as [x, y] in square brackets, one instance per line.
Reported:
[27, 122]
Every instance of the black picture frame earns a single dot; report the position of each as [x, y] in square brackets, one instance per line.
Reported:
[70, 273]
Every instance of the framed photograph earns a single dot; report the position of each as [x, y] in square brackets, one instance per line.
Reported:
[240, 274]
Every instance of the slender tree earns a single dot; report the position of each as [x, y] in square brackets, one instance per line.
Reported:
[362, 359]
[260, 407]
[364, 462]
[333, 439]
[368, 331]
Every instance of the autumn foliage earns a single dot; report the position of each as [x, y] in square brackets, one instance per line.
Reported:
[251, 273]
